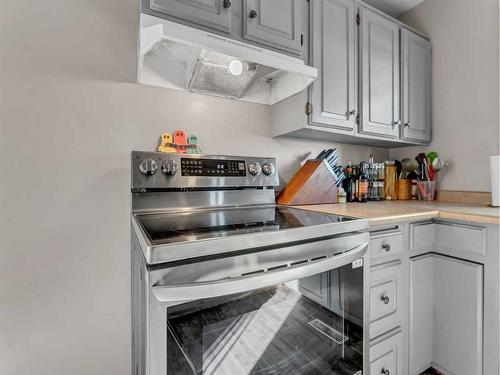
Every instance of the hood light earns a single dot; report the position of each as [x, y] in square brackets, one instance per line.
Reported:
[235, 67]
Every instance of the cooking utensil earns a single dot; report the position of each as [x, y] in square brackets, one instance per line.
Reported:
[422, 161]
[432, 155]
[431, 173]
[409, 166]
[438, 164]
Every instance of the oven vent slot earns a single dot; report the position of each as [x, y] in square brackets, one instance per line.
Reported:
[277, 267]
[252, 272]
[299, 262]
[328, 331]
[318, 258]
[296, 263]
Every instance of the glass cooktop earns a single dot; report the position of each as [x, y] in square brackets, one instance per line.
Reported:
[169, 228]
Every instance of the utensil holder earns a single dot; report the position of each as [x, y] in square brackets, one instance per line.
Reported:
[404, 189]
[426, 190]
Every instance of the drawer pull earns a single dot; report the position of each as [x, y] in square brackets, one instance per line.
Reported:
[386, 247]
[385, 299]
[385, 372]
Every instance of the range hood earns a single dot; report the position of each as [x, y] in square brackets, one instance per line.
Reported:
[181, 57]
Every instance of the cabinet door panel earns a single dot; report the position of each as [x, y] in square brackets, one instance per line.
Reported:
[446, 315]
[276, 23]
[416, 81]
[208, 13]
[379, 75]
[333, 92]
[421, 313]
[458, 306]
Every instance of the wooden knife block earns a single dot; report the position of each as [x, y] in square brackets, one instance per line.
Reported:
[312, 184]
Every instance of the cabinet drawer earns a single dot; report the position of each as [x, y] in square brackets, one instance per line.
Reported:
[448, 236]
[386, 357]
[385, 299]
[382, 246]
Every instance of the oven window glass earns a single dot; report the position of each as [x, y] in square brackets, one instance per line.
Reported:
[309, 326]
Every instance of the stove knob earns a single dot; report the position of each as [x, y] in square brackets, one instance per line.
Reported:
[148, 166]
[254, 168]
[268, 169]
[169, 167]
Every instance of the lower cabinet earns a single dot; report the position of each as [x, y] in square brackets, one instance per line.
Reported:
[386, 356]
[446, 315]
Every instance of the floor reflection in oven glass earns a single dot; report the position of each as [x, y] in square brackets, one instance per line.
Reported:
[261, 333]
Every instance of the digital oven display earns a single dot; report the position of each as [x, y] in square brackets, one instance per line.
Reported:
[211, 167]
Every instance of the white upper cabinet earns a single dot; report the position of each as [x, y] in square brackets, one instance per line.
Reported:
[416, 87]
[215, 14]
[332, 52]
[276, 23]
[379, 59]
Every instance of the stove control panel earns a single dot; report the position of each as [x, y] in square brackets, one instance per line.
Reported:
[157, 170]
[213, 167]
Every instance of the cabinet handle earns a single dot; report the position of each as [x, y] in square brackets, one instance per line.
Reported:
[226, 4]
[407, 124]
[386, 247]
[394, 123]
[385, 299]
[385, 372]
[253, 13]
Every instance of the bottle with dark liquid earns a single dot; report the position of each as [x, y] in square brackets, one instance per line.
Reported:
[363, 184]
[348, 182]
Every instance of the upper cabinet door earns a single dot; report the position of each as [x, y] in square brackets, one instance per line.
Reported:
[416, 81]
[332, 52]
[276, 23]
[379, 59]
[215, 14]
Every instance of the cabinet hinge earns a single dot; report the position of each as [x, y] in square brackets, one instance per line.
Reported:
[358, 19]
[301, 39]
[309, 108]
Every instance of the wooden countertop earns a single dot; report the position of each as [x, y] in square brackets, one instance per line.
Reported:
[390, 212]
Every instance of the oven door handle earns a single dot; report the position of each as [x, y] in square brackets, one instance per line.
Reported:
[217, 288]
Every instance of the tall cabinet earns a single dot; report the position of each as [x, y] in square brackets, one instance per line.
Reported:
[379, 67]
[333, 93]
[416, 87]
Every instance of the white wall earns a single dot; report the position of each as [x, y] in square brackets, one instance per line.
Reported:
[69, 117]
[465, 101]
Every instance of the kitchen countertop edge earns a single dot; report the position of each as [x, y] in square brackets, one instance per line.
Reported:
[456, 213]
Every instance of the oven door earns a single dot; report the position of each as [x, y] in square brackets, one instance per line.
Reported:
[294, 310]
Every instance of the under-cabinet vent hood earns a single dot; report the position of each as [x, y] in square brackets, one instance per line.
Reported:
[181, 57]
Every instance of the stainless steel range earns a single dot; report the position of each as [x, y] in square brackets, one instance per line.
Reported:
[224, 282]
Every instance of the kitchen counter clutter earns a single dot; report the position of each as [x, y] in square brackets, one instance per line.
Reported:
[389, 212]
